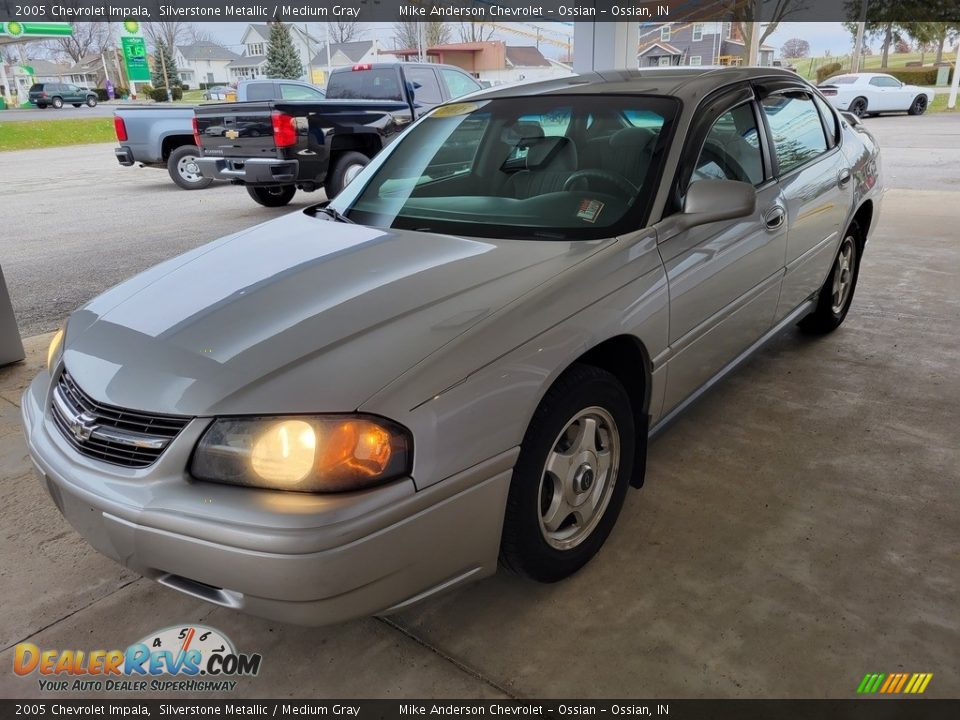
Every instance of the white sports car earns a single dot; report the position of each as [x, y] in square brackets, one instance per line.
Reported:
[871, 93]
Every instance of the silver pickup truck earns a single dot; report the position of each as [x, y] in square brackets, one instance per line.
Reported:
[161, 136]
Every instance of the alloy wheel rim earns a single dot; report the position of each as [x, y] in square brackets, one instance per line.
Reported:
[843, 275]
[187, 167]
[578, 478]
[920, 104]
[858, 108]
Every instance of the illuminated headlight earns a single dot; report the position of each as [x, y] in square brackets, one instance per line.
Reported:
[332, 453]
[56, 348]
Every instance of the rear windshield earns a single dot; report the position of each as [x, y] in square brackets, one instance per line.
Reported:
[36, 88]
[841, 80]
[549, 167]
[258, 91]
[376, 84]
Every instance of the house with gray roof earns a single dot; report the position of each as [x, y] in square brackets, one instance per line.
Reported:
[204, 62]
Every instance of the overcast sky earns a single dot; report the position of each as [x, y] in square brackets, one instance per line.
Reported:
[822, 36]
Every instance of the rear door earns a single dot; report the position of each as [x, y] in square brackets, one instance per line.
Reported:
[815, 183]
[724, 278]
[427, 91]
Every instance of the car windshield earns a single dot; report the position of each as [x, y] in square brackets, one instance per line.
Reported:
[583, 166]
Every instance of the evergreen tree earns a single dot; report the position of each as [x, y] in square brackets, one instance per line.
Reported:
[162, 56]
[283, 59]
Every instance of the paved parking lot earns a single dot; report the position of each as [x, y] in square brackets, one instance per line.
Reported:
[799, 526]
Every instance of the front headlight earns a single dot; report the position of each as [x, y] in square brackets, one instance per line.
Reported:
[326, 453]
[56, 348]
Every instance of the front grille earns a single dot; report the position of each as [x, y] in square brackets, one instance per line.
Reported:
[111, 434]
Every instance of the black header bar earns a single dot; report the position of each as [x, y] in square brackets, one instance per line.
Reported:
[477, 10]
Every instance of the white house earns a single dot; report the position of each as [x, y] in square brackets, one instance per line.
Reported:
[256, 40]
[204, 62]
[343, 55]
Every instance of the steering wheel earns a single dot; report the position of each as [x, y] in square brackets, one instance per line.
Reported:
[725, 161]
[603, 176]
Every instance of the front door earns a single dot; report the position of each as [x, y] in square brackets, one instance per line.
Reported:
[816, 186]
[724, 278]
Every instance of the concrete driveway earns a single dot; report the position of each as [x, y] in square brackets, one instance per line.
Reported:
[799, 526]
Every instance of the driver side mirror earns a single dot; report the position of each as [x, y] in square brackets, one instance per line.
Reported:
[711, 201]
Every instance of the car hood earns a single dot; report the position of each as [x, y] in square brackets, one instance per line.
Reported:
[299, 314]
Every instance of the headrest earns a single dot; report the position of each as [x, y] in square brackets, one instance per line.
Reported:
[632, 138]
[552, 153]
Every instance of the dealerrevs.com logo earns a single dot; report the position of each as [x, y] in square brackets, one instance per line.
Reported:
[187, 658]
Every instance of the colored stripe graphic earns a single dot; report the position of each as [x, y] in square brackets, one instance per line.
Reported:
[894, 683]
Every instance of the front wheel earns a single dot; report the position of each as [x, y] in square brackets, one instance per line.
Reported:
[344, 170]
[273, 196]
[182, 166]
[571, 476]
[836, 295]
[91, 101]
[919, 105]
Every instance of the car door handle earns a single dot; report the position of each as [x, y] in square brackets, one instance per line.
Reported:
[843, 179]
[775, 218]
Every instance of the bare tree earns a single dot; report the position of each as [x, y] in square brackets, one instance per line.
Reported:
[747, 14]
[795, 48]
[171, 33]
[344, 31]
[476, 31]
[406, 34]
[87, 38]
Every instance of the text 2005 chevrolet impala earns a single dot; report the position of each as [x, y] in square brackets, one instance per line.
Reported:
[460, 359]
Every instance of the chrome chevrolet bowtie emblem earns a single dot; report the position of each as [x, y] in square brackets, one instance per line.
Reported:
[82, 426]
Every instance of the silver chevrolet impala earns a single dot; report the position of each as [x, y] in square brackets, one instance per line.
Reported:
[459, 360]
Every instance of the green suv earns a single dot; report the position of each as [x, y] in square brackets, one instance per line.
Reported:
[56, 94]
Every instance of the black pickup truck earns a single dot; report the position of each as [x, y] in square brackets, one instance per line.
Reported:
[275, 147]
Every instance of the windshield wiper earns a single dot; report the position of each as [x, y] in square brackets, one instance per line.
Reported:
[336, 215]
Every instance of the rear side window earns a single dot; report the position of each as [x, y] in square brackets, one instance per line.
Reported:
[426, 89]
[375, 84]
[796, 128]
[458, 84]
[38, 87]
[829, 121]
[260, 91]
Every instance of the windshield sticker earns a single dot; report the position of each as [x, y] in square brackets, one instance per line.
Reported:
[589, 210]
[454, 110]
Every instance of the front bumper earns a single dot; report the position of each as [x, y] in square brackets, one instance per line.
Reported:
[250, 171]
[304, 559]
[124, 155]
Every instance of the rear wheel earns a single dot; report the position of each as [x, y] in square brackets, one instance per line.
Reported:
[182, 166]
[571, 476]
[57, 102]
[919, 105]
[274, 196]
[859, 107]
[836, 295]
[344, 170]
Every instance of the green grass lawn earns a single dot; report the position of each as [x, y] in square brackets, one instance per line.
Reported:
[26, 134]
[193, 96]
[807, 67]
[939, 103]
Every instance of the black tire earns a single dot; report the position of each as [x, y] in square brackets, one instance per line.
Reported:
[525, 548]
[343, 167]
[829, 313]
[91, 101]
[42, 106]
[77, 104]
[273, 196]
[178, 165]
[859, 107]
[919, 105]
[57, 102]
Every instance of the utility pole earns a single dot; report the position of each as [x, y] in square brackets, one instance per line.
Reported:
[306, 33]
[326, 34]
[858, 43]
[421, 54]
[166, 80]
[955, 85]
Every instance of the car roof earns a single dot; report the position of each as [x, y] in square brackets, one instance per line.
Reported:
[685, 82]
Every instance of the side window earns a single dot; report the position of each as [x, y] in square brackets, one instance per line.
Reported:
[260, 91]
[458, 84]
[887, 82]
[731, 150]
[428, 90]
[299, 92]
[796, 128]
